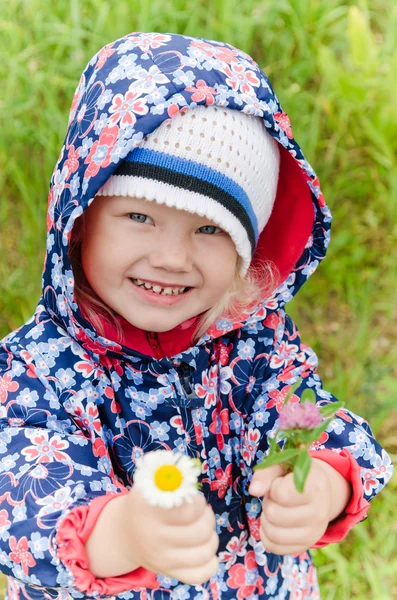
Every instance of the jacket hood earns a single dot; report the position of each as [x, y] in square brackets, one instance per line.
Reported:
[126, 91]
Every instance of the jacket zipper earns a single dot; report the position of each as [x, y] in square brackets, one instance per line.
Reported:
[185, 377]
[154, 343]
[184, 372]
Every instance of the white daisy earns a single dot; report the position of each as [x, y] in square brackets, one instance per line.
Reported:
[167, 478]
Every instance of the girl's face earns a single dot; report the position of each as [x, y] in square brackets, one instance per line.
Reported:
[154, 265]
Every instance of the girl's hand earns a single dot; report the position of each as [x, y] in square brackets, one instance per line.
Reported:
[291, 522]
[179, 542]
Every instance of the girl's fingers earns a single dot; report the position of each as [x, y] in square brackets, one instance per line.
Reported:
[197, 556]
[282, 549]
[285, 516]
[186, 514]
[198, 534]
[197, 575]
[284, 492]
[263, 479]
[292, 536]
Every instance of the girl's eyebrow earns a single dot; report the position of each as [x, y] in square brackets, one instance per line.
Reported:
[133, 203]
[129, 199]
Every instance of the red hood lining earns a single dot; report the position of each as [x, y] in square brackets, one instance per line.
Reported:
[291, 222]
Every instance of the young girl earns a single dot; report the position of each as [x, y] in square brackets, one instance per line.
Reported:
[182, 217]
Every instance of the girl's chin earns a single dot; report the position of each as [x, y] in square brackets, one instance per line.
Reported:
[157, 323]
[155, 326]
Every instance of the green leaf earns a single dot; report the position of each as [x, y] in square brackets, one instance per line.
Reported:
[309, 395]
[196, 462]
[315, 433]
[301, 470]
[330, 409]
[274, 447]
[293, 389]
[277, 459]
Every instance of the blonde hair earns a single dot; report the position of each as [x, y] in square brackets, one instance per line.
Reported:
[244, 294]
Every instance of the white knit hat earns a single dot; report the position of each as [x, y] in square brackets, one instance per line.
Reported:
[216, 162]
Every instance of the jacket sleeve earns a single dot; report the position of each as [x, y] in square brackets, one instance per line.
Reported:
[54, 481]
[348, 444]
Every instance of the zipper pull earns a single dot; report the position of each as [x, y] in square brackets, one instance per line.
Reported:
[152, 339]
[185, 377]
[154, 342]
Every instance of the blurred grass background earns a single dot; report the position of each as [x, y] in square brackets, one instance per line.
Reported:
[334, 67]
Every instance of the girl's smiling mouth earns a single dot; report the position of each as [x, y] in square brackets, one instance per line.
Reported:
[157, 288]
[158, 294]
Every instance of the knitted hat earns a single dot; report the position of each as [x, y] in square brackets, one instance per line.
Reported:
[216, 162]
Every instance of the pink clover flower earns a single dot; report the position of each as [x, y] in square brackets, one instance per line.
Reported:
[299, 416]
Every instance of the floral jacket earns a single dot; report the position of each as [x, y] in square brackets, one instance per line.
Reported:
[78, 409]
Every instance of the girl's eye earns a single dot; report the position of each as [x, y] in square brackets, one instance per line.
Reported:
[138, 218]
[209, 229]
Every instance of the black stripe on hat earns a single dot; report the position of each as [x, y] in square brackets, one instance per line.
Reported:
[190, 183]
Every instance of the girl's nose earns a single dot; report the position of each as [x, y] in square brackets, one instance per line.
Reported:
[172, 253]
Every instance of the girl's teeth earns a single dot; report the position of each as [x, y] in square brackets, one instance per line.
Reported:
[167, 291]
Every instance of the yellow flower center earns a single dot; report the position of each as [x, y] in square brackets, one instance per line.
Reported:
[168, 478]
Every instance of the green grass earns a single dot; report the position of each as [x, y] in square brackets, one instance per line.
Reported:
[334, 67]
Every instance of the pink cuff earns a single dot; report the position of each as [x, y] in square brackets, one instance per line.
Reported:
[357, 508]
[71, 537]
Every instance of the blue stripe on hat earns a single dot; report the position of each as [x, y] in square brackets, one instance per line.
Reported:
[199, 171]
